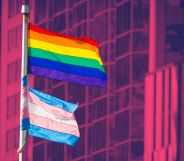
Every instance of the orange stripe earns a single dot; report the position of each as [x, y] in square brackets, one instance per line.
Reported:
[83, 39]
[61, 41]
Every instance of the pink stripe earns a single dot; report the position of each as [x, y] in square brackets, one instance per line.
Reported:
[52, 125]
[24, 113]
[24, 91]
[52, 110]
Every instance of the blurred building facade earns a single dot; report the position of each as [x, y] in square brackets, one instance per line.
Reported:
[111, 120]
[164, 130]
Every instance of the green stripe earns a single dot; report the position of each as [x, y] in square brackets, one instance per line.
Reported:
[38, 53]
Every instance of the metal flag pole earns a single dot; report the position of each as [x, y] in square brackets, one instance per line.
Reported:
[25, 12]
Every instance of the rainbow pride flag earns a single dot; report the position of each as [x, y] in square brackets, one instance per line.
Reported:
[65, 58]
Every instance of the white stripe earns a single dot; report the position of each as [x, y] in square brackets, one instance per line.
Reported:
[36, 110]
[24, 102]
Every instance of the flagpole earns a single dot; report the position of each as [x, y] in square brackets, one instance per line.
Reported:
[25, 12]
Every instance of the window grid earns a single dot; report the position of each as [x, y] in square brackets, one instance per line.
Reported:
[85, 25]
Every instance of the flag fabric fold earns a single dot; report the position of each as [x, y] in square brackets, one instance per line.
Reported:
[50, 118]
[64, 58]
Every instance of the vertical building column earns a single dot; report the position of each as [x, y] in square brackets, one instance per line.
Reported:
[157, 34]
[181, 86]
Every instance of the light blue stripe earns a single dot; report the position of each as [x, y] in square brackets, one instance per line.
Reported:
[53, 135]
[53, 101]
[25, 124]
[24, 81]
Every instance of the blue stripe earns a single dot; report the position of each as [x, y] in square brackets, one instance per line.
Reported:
[24, 81]
[49, 64]
[53, 101]
[25, 124]
[53, 135]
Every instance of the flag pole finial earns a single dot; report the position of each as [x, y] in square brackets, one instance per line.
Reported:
[25, 9]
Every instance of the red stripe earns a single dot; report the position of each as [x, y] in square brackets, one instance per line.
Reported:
[43, 31]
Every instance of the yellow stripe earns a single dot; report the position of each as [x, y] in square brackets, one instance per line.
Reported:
[61, 41]
[64, 50]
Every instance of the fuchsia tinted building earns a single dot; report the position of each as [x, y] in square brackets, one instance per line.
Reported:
[164, 83]
[113, 122]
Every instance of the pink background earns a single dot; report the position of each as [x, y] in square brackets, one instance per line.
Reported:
[139, 115]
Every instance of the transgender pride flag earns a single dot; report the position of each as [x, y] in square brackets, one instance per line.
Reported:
[50, 118]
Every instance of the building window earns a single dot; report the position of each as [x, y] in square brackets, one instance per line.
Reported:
[137, 150]
[80, 12]
[122, 72]
[11, 39]
[80, 115]
[123, 45]
[137, 123]
[59, 92]
[100, 157]
[96, 141]
[37, 140]
[56, 6]
[94, 8]
[120, 153]
[140, 67]
[123, 18]
[122, 120]
[43, 25]
[12, 142]
[18, 6]
[14, 38]
[118, 1]
[80, 30]
[19, 36]
[40, 10]
[14, 7]
[112, 77]
[96, 92]
[137, 95]
[13, 105]
[16, 136]
[122, 99]
[39, 83]
[141, 14]
[71, 18]
[140, 41]
[18, 69]
[53, 82]
[14, 71]
[118, 134]
[55, 151]
[76, 93]
[58, 23]
[94, 111]
[38, 152]
[99, 28]
[11, 8]
[9, 140]
[78, 150]
[11, 72]
[17, 104]
[104, 52]
[10, 106]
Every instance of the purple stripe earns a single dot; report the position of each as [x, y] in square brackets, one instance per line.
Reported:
[90, 81]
